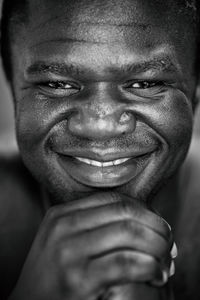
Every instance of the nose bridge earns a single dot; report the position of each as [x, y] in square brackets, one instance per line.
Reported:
[103, 102]
[101, 116]
[102, 108]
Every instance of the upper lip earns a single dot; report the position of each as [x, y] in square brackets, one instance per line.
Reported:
[107, 154]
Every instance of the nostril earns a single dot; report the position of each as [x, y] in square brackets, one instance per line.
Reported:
[125, 117]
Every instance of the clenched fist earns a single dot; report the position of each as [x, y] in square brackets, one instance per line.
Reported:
[86, 248]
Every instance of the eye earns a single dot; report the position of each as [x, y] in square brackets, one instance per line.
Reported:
[60, 85]
[60, 88]
[144, 84]
[145, 88]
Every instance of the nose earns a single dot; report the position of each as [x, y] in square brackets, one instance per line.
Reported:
[101, 121]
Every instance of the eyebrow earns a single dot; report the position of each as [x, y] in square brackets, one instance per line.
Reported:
[160, 64]
[41, 67]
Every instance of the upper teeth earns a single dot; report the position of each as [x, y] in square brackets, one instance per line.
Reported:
[102, 164]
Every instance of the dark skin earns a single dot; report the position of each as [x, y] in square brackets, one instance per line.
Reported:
[101, 86]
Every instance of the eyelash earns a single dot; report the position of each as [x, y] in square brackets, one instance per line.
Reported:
[62, 84]
[142, 88]
[59, 85]
[146, 84]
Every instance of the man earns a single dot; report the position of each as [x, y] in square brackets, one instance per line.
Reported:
[104, 95]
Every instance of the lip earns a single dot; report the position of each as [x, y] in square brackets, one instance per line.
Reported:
[105, 155]
[105, 177]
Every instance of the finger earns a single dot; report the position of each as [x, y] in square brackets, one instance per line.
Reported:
[91, 201]
[162, 281]
[93, 217]
[166, 273]
[119, 235]
[119, 206]
[123, 267]
[54, 214]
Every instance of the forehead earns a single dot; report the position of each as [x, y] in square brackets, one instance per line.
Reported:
[109, 20]
[120, 26]
[141, 16]
[116, 12]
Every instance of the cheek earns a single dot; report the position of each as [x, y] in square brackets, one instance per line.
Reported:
[172, 118]
[176, 119]
[30, 124]
[35, 115]
[34, 119]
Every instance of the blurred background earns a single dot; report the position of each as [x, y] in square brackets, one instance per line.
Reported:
[7, 135]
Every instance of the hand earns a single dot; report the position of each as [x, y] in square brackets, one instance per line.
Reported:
[87, 246]
[135, 291]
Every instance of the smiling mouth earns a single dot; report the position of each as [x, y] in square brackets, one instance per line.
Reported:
[100, 164]
[105, 173]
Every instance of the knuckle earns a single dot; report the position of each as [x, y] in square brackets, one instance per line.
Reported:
[73, 278]
[64, 256]
[75, 281]
[73, 219]
[125, 262]
[56, 228]
[130, 209]
[125, 208]
[139, 231]
[52, 213]
[152, 267]
[114, 197]
[48, 226]
[108, 198]
[126, 226]
[133, 229]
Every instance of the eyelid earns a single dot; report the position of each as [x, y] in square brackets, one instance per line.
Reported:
[50, 77]
[44, 88]
[152, 83]
[70, 83]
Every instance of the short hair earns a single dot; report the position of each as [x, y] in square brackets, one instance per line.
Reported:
[15, 14]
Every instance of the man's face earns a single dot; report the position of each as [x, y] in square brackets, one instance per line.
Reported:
[103, 94]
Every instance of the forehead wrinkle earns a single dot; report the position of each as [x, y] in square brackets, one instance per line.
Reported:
[66, 40]
[42, 24]
[99, 23]
[91, 34]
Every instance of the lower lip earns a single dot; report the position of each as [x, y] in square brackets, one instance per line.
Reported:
[103, 177]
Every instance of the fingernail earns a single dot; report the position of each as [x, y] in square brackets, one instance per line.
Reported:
[174, 251]
[167, 224]
[165, 276]
[172, 269]
[161, 282]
